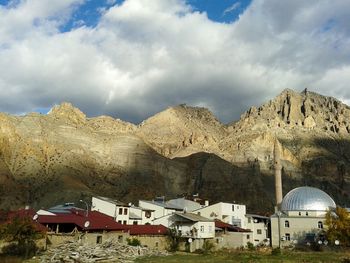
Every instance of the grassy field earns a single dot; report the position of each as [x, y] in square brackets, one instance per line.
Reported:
[285, 257]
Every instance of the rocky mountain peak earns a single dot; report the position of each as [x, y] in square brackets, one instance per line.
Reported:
[305, 110]
[67, 111]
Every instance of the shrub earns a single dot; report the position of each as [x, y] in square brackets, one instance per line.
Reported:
[276, 252]
[133, 242]
[208, 246]
[173, 240]
[250, 246]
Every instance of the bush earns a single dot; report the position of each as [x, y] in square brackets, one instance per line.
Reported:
[208, 246]
[173, 240]
[250, 246]
[276, 252]
[133, 242]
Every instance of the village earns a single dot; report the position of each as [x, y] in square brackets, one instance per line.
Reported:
[187, 224]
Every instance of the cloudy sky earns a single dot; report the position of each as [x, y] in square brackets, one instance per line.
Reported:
[133, 58]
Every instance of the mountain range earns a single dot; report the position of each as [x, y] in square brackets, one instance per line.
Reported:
[62, 156]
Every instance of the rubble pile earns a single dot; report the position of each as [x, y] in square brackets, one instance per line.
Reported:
[109, 251]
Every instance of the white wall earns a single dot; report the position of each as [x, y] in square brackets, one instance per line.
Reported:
[111, 209]
[226, 212]
[259, 230]
[159, 211]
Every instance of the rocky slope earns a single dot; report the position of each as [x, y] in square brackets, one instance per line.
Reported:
[65, 156]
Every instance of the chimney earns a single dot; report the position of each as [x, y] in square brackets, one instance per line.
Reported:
[278, 173]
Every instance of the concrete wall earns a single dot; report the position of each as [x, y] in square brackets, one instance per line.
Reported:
[233, 240]
[155, 242]
[297, 230]
[259, 231]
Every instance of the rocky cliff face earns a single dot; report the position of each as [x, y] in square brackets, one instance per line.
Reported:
[65, 156]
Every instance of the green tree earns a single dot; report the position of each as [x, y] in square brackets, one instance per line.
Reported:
[21, 234]
[174, 238]
[338, 223]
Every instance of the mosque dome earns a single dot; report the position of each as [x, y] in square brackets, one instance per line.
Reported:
[307, 199]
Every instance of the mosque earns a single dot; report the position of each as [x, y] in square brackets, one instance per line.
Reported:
[300, 215]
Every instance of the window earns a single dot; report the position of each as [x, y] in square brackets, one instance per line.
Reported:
[258, 231]
[147, 214]
[320, 224]
[120, 211]
[124, 222]
[287, 237]
[125, 211]
[248, 236]
[233, 207]
[134, 222]
[286, 223]
[307, 213]
[202, 228]
[98, 239]
[299, 213]
[119, 221]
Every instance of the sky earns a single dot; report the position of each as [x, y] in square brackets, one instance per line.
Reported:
[133, 58]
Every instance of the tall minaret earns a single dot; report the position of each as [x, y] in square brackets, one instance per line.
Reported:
[278, 173]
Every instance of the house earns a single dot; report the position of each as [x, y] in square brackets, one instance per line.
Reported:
[230, 213]
[260, 227]
[114, 208]
[229, 236]
[83, 226]
[160, 207]
[140, 216]
[188, 225]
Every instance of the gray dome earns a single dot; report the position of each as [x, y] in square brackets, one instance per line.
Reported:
[307, 198]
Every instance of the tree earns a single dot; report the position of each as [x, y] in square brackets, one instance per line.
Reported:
[338, 223]
[21, 233]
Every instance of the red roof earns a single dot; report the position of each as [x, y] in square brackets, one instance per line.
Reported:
[95, 219]
[229, 227]
[7, 217]
[147, 229]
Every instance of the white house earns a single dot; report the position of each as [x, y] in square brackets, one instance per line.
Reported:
[259, 226]
[114, 208]
[160, 208]
[188, 225]
[233, 214]
[140, 216]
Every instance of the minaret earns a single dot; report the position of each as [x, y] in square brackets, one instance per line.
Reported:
[278, 173]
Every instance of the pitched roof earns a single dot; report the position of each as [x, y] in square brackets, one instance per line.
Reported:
[193, 217]
[147, 229]
[163, 204]
[229, 227]
[113, 201]
[97, 220]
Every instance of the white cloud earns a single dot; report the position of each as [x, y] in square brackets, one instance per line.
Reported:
[145, 55]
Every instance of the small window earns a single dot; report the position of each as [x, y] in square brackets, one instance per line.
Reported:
[125, 211]
[119, 221]
[98, 239]
[320, 224]
[135, 223]
[299, 213]
[124, 222]
[202, 229]
[258, 231]
[147, 214]
[120, 211]
[287, 237]
[233, 207]
[286, 223]
[307, 213]
[248, 236]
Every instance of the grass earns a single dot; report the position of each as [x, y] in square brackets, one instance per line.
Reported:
[251, 257]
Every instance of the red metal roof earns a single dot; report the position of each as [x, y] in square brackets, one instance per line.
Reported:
[147, 229]
[97, 220]
[223, 225]
[7, 217]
